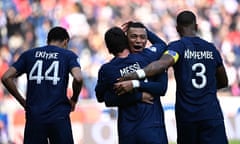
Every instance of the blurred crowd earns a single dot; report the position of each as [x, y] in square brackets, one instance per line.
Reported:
[24, 25]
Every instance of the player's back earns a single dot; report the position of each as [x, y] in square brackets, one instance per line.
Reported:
[138, 114]
[196, 82]
[47, 70]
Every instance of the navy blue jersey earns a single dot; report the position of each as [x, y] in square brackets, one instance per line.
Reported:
[47, 70]
[133, 114]
[196, 81]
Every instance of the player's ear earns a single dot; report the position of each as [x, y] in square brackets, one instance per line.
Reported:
[196, 27]
[178, 28]
[65, 43]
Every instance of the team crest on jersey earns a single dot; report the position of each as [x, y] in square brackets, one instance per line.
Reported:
[78, 60]
[153, 49]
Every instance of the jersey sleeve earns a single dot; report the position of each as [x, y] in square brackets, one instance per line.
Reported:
[101, 85]
[111, 99]
[20, 64]
[158, 87]
[74, 60]
[156, 50]
[152, 53]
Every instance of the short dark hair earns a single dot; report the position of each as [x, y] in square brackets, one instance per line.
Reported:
[135, 25]
[186, 18]
[57, 34]
[116, 40]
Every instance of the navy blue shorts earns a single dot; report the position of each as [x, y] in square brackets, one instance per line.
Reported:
[202, 132]
[154, 135]
[57, 132]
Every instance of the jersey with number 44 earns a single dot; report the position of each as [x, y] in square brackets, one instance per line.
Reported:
[47, 70]
[196, 81]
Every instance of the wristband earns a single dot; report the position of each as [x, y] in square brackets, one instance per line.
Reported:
[135, 83]
[140, 73]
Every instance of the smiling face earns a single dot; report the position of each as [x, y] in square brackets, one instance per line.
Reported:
[137, 39]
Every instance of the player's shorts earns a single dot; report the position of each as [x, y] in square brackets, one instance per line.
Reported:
[57, 132]
[202, 132]
[154, 135]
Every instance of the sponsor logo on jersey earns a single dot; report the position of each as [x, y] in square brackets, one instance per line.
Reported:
[153, 49]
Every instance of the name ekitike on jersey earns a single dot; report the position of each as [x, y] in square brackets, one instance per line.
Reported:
[46, 55]
[188, 54]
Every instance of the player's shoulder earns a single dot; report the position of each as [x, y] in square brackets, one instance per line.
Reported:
[31, 51]
[106, 66]
[205, 43]
[178, 44]
[155, 49]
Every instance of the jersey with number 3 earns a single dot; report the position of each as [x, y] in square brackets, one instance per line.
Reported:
[47, 70]
[196, 81]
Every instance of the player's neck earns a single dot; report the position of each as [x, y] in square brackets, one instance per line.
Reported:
[57, 43]
[123, 54]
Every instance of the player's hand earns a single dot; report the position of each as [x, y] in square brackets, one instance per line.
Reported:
[125, 26]
[147, 98]
[130, 76]
[123, 87]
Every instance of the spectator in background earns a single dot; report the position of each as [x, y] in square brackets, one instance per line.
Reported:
[3, 133]
[211, 15]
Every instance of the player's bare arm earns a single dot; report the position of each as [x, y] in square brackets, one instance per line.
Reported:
[76, 86]
[222, 80]
[8, 82]
[152, 69]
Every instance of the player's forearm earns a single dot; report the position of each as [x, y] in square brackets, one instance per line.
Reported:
[153, 69]
[112, 100]
[222, 80]
[155, 88]
[76, 86]
[11, 87]
[159, 66]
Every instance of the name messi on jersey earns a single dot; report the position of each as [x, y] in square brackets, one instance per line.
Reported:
[46, 55]
[130, 69]
[188, 54]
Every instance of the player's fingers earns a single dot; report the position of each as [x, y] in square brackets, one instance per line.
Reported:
[125, 24]
[120, 91]
[149, 101]
[121, 79]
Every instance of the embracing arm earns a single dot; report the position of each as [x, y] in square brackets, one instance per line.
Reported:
[112, 99]
[157, 87]
[159, 66]
[152, 69]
